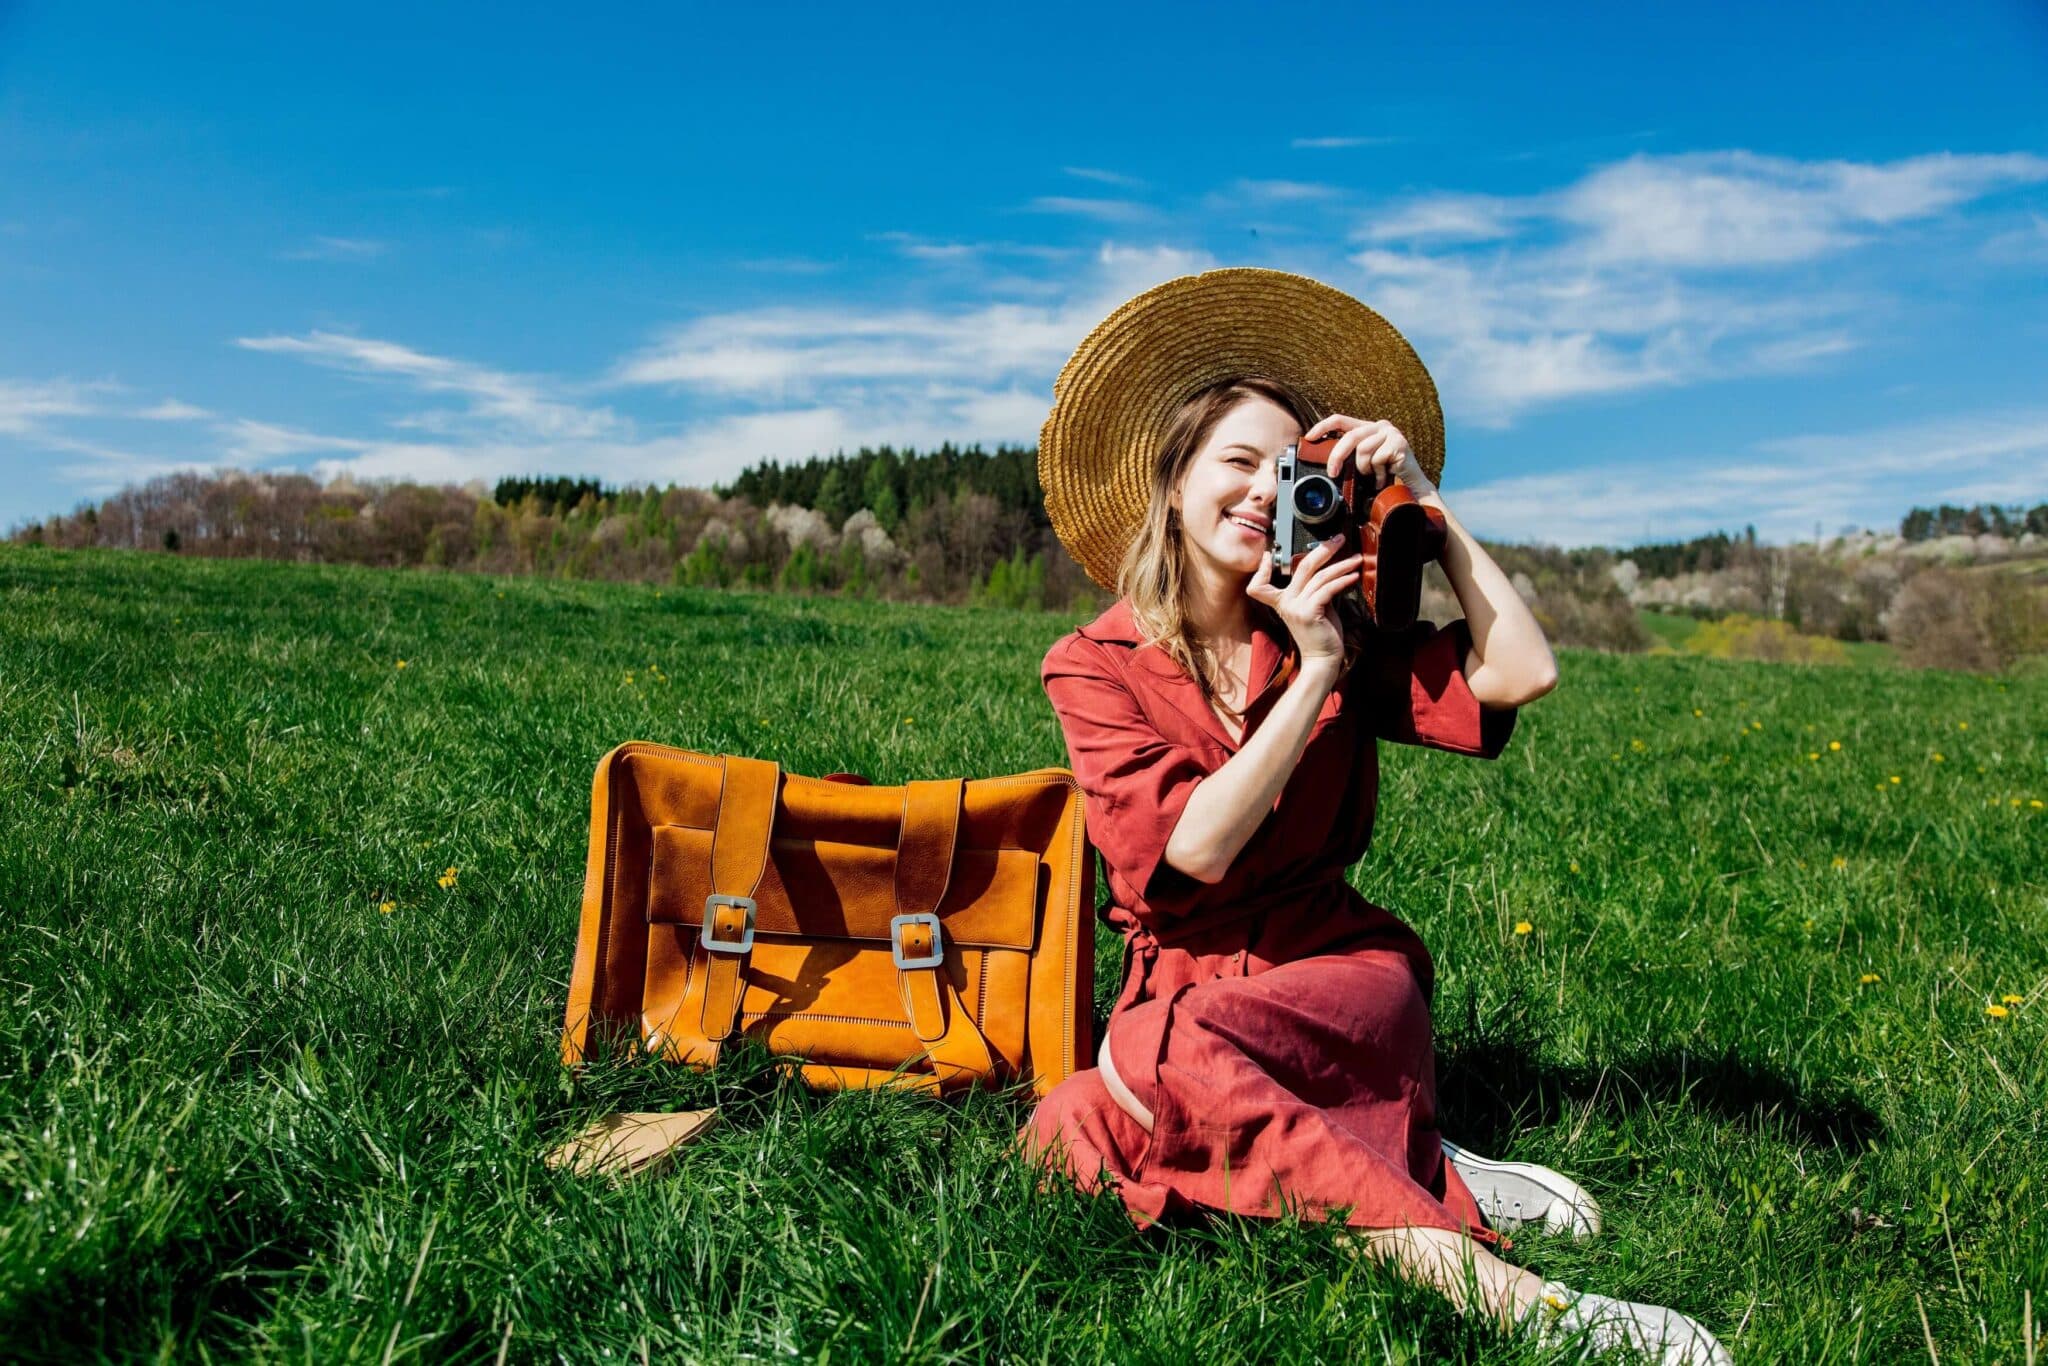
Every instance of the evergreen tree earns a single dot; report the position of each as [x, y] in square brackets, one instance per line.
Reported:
[835, 499]
[878, 493]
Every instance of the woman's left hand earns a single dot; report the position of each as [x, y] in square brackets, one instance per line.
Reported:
[1376, 448]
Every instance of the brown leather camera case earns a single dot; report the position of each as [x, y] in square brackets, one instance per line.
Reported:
[933, 935]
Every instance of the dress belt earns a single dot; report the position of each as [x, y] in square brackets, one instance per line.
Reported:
[1183, 931]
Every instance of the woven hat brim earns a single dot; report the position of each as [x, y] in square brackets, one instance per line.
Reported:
[1119, 391]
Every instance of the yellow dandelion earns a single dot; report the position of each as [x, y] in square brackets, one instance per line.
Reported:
[401, 664]
[450, 871]
[1867, 979]
[1834, 744]
[1697, 712]
[1841, 862]
[1813, 756]
[1937, 758]
[1996, 1012]
[1614, 756]
[2035, 803]
[1895, 777]
[1575, 867]
[2010, 999]
[1637, 745]
[2015, 801]
[1962, 725]
[1523, 927]
[767, 721]
[910, 720]
[1756, 725]
[386, 907]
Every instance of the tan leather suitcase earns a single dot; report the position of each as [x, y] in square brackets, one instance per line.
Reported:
[934, 935]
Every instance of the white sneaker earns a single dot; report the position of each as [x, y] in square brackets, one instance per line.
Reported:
[1601, 1324]
[1512, 1193]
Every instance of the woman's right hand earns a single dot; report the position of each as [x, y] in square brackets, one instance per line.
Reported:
[1307, 604]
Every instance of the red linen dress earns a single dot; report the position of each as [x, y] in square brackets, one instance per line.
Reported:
[1275, 1023]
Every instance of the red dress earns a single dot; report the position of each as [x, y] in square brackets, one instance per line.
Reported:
[1275, 1023]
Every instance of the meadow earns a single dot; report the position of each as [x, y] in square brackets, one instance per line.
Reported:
[290, 873]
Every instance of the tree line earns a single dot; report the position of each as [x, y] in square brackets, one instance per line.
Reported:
[1979, 519]
[967, 525]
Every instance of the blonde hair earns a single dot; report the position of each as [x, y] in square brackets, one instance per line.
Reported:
[1153, 574]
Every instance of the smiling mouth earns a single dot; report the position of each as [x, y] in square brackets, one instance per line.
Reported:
[1256, 525]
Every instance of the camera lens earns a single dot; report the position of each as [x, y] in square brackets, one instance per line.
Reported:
[1315, 498]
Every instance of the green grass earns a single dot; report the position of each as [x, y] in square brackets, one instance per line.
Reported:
[246, 1114]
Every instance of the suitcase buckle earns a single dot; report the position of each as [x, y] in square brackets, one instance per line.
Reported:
[707, 934]
[935, 958]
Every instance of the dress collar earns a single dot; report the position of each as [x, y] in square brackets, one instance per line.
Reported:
[1272, 666]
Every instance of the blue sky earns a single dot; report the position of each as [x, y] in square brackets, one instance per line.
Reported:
[1673, 270]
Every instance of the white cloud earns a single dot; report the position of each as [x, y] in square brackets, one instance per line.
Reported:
[788, 265]
[1723, 209]
[26, 404]
[1104, 177]
[1782, 486]
[1649, 272]
[774, 354]
[338, 249]
[517, 401]
[1338, 143]
[1280, 191]
[794, 382]
[2025, 245]
[172, 410]
[249, 442]
[1444, 217]
[1102, 210]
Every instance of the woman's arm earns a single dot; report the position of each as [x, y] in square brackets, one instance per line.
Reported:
[1225, 808]
[1510, 664]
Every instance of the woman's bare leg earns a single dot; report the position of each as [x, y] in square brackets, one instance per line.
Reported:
[1472, 1278]
[1118, 1092]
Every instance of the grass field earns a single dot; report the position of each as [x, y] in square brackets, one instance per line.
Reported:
[249, 1111]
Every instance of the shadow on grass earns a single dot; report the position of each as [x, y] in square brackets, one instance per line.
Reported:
[1489, 1090]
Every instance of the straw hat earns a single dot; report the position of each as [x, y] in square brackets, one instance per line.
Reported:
[1119, 390]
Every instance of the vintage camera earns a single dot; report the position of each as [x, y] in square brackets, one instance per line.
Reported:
[1310, 507]
[1397, 534]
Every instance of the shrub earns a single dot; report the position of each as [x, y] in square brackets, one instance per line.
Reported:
[1746, 637]
[1984, 621]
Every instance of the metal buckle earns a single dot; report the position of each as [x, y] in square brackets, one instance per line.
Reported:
[936, 958]
[708, 937]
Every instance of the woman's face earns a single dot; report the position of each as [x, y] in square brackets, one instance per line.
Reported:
[1226, 496]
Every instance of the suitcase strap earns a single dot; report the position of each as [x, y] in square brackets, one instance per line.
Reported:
[924, 866]
[925, 845]
[739, 855]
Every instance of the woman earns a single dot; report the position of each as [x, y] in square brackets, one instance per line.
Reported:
[1272, 1048]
